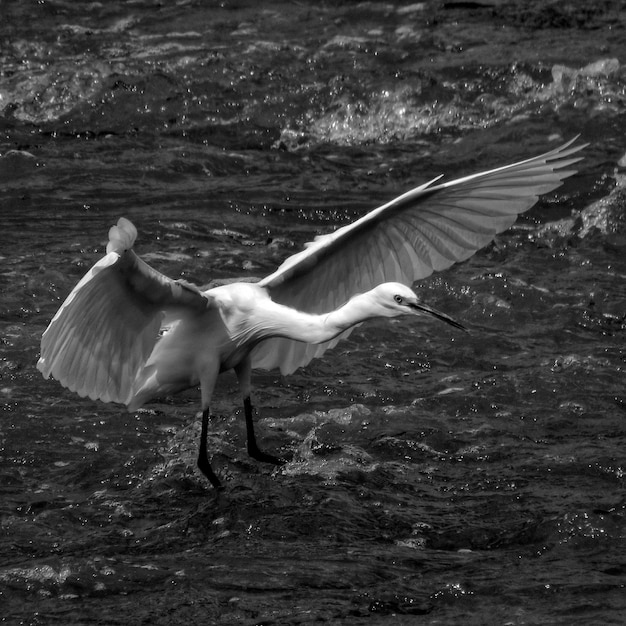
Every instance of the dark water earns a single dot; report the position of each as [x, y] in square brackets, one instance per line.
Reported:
[437, 477]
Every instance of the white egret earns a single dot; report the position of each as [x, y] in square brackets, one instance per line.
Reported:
[104, 342]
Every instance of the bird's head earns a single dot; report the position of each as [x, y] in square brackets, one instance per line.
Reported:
[397, 299]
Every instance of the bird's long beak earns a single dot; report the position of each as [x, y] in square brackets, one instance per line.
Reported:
[420, 307]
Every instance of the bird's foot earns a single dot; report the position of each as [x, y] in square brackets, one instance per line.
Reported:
[258, 455]
[205, 467]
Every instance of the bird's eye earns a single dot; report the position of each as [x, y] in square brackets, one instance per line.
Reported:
[398, 299]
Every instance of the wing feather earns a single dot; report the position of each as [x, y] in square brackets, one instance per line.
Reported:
[102, 335]
[426, 229]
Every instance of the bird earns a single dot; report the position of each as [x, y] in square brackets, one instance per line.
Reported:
[129, 334]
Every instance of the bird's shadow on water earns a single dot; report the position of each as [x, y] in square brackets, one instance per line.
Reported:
[308, 496]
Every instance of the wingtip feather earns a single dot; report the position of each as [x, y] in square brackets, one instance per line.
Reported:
[122, 236]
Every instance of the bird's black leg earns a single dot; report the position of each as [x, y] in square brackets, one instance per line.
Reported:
[203, 460]
[253, 448]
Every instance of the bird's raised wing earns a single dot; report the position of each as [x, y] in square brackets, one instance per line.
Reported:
[107, 327]
[426, 229]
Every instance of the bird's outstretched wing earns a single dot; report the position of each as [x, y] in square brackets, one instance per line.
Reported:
[426, 229]
[107, 327]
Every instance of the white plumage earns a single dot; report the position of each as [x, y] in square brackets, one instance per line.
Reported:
[104, 340]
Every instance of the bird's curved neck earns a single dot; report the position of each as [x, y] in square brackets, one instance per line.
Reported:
[318, 328]
[271, 319]
[358, 309]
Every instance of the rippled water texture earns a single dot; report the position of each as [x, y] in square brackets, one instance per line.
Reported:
[437, 477]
